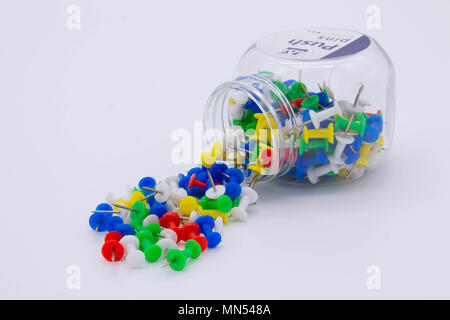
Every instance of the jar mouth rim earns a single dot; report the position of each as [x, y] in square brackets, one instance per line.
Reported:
[264, 97]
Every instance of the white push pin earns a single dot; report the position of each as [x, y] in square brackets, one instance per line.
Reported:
[248, 196]
[314, 173]
[239, 97]
[318, 117]
[134, 257]
[176, 193]
[342, 142]
[171, 206]
[151, 218]
[161, 192]
[218, 225]
[194, 215]
[165, 245]
[215, 194]
[168, 234]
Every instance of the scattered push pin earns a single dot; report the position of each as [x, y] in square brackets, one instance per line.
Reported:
[134, 258]
[176, 258]
[206, 224]
[112, 250]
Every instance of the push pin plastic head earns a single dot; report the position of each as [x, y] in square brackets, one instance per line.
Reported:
[112, 250]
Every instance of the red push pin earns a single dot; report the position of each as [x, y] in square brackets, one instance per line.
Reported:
[191, 230]
[297, 103]
[171, 220]
[112, 250]
[195, 183]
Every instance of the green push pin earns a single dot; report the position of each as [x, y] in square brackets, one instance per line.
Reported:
[280, 85]
[176, 258]
[146, 239]
[236, 202]
[312, 144]
[223, 203]
[344, 124]
[297, 91]
[311, 103]
[139, 211]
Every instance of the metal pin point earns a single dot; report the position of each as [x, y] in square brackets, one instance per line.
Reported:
[123, 207]
[105, 211]
[211, 180]
[354, 105]
[226, 175]
[151, 189]
[252, 183]
[149, 196]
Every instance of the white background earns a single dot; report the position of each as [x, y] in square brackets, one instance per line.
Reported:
[88, 111]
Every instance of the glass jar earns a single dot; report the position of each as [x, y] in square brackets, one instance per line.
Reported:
[315, 104]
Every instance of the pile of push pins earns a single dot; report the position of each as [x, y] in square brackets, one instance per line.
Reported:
[185, 210]
[180, 217]
[335, 138]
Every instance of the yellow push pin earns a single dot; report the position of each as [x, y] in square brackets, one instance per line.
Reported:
[208, 159]
[135, 196]
[365, 149]
[188, 204]
[380, 143]
[257, 167]
[327, 133]
[343, 172]
[217, 151]
[215, 214]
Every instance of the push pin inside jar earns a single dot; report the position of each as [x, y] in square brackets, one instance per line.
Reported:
[314, 105]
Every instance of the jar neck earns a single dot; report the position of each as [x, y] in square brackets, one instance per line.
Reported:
[277, 119]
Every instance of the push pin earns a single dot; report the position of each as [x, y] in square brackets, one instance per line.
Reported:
[176, 258]
[112, 250]
[195, 183]
[327, 133]
[134, 258]
[206, 224]
[176, 193]
[342, 142]
[161, 192]
[248, 196]
[191, 230]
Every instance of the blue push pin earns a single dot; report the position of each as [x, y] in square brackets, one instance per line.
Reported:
[184, 180]
[125, 229]
[203, 176]
[320, 157]
[371, 134]
[206, 224]
[197, 192]
[195, 170]
[148, 182]
[217, 170]
[100, 217]
[233, 190]
[158, 209]
[234, 175]
[289, 83]
[113, 223]
[375, 121]
[352, 157]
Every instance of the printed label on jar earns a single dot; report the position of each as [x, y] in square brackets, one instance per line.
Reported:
[314, 44]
